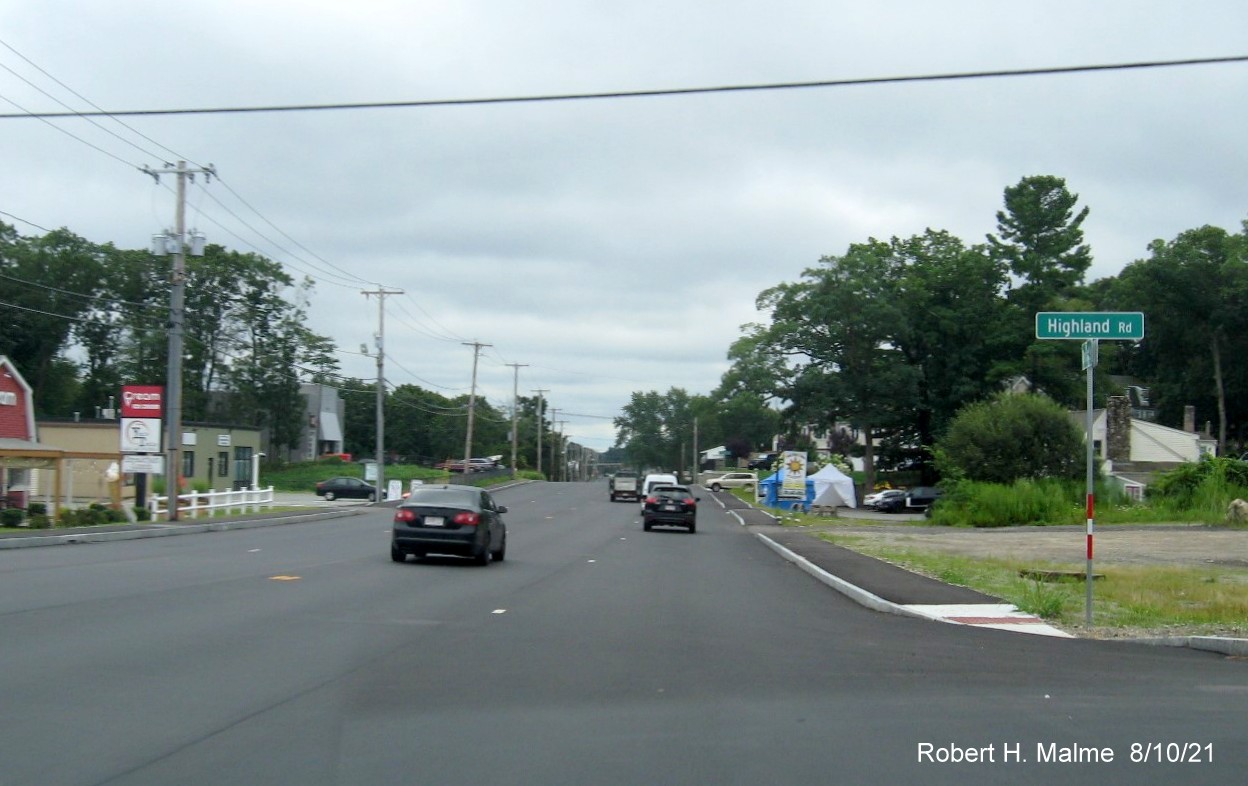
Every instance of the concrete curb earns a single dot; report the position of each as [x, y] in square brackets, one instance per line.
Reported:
[855, 593]
[1234, 647]
[166, 530]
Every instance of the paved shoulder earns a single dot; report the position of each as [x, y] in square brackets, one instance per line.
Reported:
[878, 577]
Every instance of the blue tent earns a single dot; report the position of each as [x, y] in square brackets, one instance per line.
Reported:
[770, 488]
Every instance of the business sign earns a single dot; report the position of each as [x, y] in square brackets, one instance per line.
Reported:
[134, 463]
[140, 435]
[1084, 325]
[142, 401]
[794, 484]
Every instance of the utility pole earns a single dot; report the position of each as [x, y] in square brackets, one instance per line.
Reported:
[697, 465]
[161, 245]
[381, 293]
[541, 418]
[554, 450]
[515, 413]
[563, 452]
[472, 399]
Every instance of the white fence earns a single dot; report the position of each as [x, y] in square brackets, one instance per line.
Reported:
[229, 501]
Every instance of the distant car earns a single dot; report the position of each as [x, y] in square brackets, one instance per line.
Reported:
[671, 506]
[346, 488]
[482, 464]
[763, 462]
[450, 465]
[653, 480]
[879, 497]
[922, 497]
[732, 480]
[916, 500]
[461, 521]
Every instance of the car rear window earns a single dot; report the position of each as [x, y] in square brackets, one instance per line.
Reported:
[670, 492]
[444, 498]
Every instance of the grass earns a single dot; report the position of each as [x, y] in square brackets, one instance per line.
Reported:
[1211, 601]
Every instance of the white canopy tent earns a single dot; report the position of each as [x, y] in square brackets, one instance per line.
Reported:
[833, 488]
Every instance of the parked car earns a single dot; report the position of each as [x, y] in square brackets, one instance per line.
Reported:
[346, 488]
[922, 497]
[916, 500]
[763, 462]
[482, 464]
[732, 480]
[671, 506]
[462, 521]
[875, 499]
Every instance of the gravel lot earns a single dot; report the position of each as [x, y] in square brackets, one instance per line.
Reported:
[1133, 545]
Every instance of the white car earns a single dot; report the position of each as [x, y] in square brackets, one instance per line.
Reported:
[732, 480]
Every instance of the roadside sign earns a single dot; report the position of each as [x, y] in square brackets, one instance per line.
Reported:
[135, 463]
[140, 435]
[142, 401]
[794, 484]
[1091, 353]
[1084, 325]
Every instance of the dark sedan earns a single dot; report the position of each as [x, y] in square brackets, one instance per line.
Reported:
[346, 488]
[670, 506]
[459, 520]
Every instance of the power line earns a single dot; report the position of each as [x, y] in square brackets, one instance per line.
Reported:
[653, 93]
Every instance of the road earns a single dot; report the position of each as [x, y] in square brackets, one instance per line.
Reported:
[596, 654]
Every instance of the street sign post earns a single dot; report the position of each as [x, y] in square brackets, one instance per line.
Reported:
[1085, 325]
[1090, 327]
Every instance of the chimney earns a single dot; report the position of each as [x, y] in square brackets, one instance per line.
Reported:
[1118, 429]
[1189, 418]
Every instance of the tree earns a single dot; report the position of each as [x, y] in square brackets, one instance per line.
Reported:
[1192, 290]
[950, 330]
[1040, 241]
[835, 327]
[1011, 437]
[656, 429]
[49, 284]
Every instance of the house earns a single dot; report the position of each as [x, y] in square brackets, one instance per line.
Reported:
[215, 456]
[324, 414]
[1135, 450]
[24, 457]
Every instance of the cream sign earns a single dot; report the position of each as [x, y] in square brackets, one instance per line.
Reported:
[8, 398]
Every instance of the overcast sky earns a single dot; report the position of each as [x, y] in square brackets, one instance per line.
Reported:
[612, 246]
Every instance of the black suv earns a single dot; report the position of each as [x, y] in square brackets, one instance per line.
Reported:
[763, 462]
[671, 506]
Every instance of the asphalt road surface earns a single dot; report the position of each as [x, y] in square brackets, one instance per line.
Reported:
[596, 654]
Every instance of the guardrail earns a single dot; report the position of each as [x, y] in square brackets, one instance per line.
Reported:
[192, 503]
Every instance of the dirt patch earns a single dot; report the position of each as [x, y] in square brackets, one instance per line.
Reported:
[1153, 546]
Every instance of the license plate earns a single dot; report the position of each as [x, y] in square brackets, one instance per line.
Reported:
[435, 521]
[671, 508]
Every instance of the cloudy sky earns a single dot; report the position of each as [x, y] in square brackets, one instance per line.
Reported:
[610, 245]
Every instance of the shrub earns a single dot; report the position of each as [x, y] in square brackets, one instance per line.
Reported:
[142, 514]
[39, 521]
[1010, 437]
[11, 517]
[37, 509]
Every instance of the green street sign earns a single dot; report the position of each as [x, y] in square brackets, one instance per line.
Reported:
[1084, 325]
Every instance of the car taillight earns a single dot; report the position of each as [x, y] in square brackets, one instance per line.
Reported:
[466, 519]
[691, 503]
[404, 516]
[652, 500]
